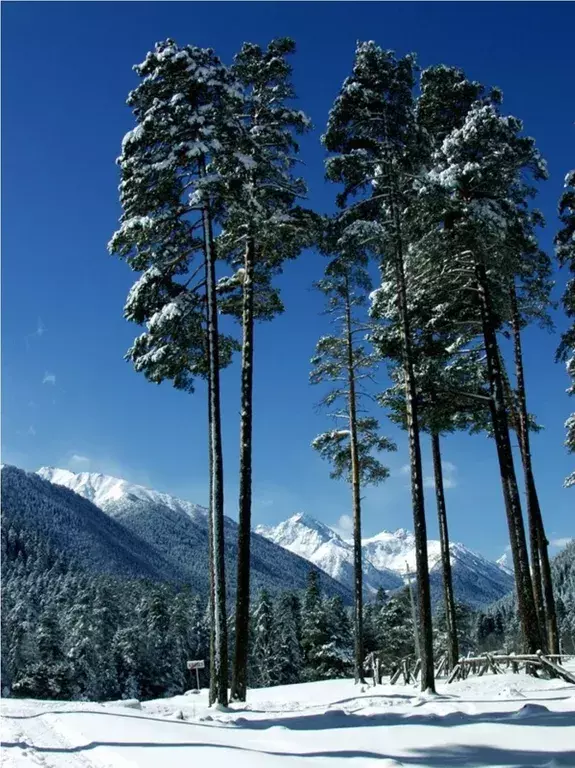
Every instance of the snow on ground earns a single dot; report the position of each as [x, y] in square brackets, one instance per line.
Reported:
[503, 720]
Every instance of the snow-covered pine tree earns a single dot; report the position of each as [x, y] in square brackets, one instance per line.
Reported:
[565, 248]
[182, 112]
[529, 301]
[342, 361]
[372, 136]
[286, 650]
[313, 624]
[371, 612]
[262, 227]
[446, 98]
[478, 189]
[395, 630]
[450, 378]
[262, 652]
[335, 657]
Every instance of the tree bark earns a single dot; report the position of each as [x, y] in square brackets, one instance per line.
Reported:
[541, 571]
[217, 481]
[211, 615]
[425, 632]
[517, 540]
[356, 498]
[239, 676]
[449, 600]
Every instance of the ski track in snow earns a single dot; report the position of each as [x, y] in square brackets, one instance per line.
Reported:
[501, 721]
[32, 738]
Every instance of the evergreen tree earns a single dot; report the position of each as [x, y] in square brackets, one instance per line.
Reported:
[565, 247]
[182, 112]
[395, 630]
[465, 622]
[262, 227]
[313, 625]
[371, 615]
[286, 652]
[342, 360]
[372, 134]
[263, 647]
[335, 657]
[477, 184]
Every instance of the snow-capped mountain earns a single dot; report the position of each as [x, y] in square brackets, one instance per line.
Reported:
[387, 557]
[106, 491]
[177, 532]
[505, 561]
[321, 545]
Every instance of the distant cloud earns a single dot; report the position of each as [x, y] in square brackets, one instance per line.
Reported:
[449, 477]
[561, 542]
[344, 526]
[49, 378]
[78, 462]
[38, 333]
[75, 461]
[31, 431]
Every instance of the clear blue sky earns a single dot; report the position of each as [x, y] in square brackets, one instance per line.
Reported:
[69, 398]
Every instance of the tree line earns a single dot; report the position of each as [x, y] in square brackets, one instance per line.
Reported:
[433, 185]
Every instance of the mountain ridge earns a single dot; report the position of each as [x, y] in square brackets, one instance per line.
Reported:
[388, 557]
[178, 530]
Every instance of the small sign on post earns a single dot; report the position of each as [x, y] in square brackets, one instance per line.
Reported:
[197, 664]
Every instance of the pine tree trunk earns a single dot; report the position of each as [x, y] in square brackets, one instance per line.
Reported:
[425, 632]
[452, 642]
[517, 540]
[541, 571]
[239, 676]
[217, 481]
[211, 614]
[356, 499]
[550, 607]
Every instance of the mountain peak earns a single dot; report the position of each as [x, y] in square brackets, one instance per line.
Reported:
[106, 491]
[307, 520]
[94, 486]
[387, 559]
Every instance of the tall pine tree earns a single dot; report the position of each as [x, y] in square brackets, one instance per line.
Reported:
[372, 134]
[565, 246]
[343, 361]
[262, 228]
[182, 112]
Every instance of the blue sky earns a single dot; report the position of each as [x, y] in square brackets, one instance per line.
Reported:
[69, 398]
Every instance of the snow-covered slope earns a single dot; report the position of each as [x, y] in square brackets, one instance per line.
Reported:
[112, 492]
[387, 558]
[321, 545]
[78, 529]
[178, 531]
[505, 562]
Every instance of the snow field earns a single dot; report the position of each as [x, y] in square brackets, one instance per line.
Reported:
[496, 721]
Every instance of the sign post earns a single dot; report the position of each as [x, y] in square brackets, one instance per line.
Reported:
[197, 665]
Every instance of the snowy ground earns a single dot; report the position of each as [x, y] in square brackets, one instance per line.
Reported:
[503, 720]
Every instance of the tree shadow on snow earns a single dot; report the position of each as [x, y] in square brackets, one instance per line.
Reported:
[533, 715]
[468, 756]
[339, 719]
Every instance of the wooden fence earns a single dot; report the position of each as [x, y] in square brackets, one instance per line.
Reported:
[517, 662]
[408, 668]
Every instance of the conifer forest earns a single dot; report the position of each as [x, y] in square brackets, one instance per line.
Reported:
[433, 272]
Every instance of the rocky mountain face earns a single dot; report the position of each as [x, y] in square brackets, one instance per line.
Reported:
[388, 557]
[112, 526]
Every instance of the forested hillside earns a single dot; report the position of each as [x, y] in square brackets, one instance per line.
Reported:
[498, 626]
